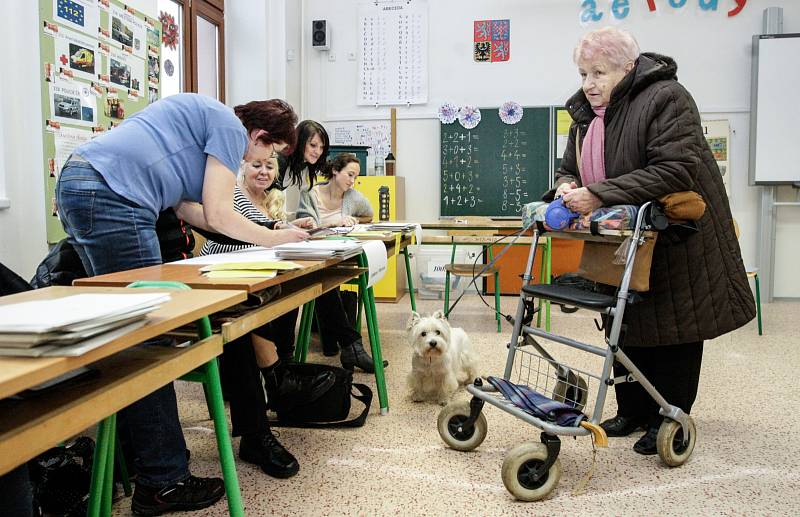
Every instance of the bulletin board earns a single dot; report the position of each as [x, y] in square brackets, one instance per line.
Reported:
[99, 64]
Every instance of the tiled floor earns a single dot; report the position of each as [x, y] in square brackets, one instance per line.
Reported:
[746, 462]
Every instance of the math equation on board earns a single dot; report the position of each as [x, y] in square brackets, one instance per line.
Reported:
[482, 174]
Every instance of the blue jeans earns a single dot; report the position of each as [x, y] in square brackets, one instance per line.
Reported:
[113, 234]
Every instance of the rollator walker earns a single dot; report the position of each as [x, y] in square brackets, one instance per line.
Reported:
[550, 395]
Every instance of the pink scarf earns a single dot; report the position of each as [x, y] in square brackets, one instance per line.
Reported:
[593, 165]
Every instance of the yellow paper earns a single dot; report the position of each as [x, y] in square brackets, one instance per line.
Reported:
[563, 122]
[369, 233]
[242, 266]
[242, 273]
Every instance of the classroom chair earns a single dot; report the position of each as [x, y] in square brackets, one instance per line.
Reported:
[752, 272]
[366, 299]
[469, 270]
[102, 479]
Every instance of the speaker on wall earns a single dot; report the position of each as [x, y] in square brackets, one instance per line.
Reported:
[320, 35]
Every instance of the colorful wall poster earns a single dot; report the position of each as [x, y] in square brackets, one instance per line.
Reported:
[72, 102]
[78, 97]
[127, 31]
[718, 135]
[81, 15]
[126, 71]
[77, 53]
[492, 40]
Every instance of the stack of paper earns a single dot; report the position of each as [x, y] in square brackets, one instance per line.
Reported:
[255, 269]
[73, 324]
[318, 249]
[393, 227]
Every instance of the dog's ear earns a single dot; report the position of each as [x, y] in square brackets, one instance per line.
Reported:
[415, 317]
[439, 315]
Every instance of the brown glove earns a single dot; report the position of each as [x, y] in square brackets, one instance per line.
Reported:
[683, 206]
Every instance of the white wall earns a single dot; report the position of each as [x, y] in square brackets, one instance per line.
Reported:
[712, 51]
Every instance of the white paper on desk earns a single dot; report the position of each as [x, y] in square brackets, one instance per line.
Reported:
[254, 254]
[376, 261]
[77, 349]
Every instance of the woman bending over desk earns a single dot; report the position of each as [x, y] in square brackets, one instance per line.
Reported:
[178, 152]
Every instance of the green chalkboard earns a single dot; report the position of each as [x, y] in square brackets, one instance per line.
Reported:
[495, 168]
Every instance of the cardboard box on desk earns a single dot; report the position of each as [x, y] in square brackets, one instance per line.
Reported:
[597, 263]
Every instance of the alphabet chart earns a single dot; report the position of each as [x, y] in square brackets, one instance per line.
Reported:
[393, 53]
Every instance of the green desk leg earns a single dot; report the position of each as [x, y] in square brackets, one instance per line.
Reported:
[496, 291]
[545, 277]
[208, 374]
[410, 279]
[366, 294]
[123, 468]
[304, 334]
[758, 303]
[99, 464]
[447, 283]
[108, 482]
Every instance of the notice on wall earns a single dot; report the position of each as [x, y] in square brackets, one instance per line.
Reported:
[375, 134]
[73, 103]
[81, 15]
[718, 134]
[76, 53]
[127, 31]
[126, 71]
[66, 140]
[393, 53]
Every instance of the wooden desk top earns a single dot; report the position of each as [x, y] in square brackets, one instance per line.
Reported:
[20, 373]
[32, 426]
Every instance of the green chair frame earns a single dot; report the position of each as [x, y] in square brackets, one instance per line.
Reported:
[208, 374]
[366, 300]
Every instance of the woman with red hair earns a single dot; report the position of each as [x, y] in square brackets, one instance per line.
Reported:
[181, 152]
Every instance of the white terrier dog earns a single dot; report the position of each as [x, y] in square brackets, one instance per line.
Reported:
[443, 358]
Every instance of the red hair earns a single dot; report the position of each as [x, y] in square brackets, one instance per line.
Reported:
[273, 119]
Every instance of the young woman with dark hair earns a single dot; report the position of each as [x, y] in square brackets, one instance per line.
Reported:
[298, 170]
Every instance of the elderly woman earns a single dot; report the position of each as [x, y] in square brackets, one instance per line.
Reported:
[636, 136]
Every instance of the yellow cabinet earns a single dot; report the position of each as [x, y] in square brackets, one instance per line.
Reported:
[386, 195]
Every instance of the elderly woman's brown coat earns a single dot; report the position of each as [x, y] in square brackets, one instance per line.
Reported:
[654, 145]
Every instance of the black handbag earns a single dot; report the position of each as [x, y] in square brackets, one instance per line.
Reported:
[332, 408]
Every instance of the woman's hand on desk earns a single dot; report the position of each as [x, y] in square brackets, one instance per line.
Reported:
[565, 187]
[305, 222]
[581, 200]
[348, 220]
[275, 237]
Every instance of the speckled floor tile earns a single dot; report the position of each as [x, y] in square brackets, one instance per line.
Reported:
[746, 462]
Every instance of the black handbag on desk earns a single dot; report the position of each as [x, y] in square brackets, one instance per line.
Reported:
[332, 408]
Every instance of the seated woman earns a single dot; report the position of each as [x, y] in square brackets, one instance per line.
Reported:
[336, 203]
[246, 356]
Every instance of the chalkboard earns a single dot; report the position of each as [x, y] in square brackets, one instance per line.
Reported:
[495, 168]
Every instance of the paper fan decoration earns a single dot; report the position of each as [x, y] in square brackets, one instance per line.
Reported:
[469, 116]
[510, 112]
[448, 113]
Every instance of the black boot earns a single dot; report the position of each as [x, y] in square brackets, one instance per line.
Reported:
[355, 355]
[621, 425]
[647, 444]
[329, 346]
[264, 450]
[285, 388]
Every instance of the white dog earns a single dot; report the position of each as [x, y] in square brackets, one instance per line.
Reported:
[443, 358]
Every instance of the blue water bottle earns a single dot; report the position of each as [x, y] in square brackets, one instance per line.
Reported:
[557, 216]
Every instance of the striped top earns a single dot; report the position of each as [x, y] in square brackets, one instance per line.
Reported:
[242, 205]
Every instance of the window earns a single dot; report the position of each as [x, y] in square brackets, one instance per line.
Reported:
[193, 47]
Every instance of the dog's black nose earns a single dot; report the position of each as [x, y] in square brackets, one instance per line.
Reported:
[432, 344]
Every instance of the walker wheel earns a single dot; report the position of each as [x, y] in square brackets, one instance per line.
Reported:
[520, 468]
[671, 448]
[452, 430]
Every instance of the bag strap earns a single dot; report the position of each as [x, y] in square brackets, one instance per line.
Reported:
[365, 397]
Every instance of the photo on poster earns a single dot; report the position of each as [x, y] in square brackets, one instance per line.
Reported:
[126, 71]
[76, 52]
[73, 103]
[153, 69]
[152, 95]
[81, 15]
[128, 31]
